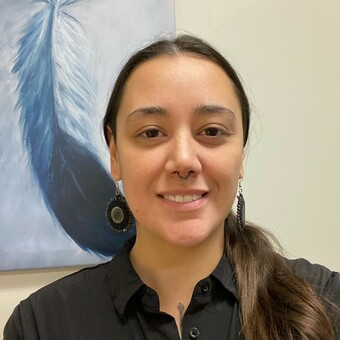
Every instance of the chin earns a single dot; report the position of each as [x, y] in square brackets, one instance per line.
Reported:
[186, 242]
[190, 237]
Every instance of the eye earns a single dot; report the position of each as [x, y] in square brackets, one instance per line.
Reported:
[151, 133]
[213, 132]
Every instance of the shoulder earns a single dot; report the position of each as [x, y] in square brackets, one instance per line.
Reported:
[85, 276]
[324, 282]
[71, 301]
[84, 283]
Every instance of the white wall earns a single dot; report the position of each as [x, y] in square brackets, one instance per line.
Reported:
[288, 55]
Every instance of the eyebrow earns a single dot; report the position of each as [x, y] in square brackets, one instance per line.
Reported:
[200, 110]
[210, 109]
[148, 110]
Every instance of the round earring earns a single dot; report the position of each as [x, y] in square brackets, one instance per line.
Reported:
[241, 208]
[118, 214]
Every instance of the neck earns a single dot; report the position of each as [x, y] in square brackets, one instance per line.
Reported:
[173, 271]
[160, 264]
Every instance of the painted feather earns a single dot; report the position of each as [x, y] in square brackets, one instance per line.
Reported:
[56, 102]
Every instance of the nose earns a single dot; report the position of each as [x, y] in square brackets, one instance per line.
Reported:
[183, 157]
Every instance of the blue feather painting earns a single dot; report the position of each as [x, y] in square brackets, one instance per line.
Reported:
[58, 61]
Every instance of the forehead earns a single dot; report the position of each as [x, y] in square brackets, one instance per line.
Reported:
[180, 66]
[179, 80]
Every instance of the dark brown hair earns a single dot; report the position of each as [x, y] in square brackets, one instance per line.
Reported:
[275, 303]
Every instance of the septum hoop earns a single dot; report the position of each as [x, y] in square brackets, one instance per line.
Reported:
[184, 177]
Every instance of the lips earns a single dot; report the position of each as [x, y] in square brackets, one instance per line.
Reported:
[182, 198]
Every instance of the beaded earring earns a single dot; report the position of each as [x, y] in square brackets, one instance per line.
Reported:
[118, 214]
[241, 208]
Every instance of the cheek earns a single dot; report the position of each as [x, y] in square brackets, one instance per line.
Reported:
[228, 164]
[227, 172]
[138, 174]
[138, 168]
[140, 164]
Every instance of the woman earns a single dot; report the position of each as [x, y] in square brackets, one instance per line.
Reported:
[176, 125]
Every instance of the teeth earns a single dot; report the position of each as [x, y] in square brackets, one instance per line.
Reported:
[182, 198]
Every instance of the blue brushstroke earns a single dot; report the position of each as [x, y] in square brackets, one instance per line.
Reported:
[56, 99]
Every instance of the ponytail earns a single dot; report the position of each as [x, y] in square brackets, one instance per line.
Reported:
[275, 303]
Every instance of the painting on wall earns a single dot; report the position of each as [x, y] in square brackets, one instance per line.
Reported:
[59, 59]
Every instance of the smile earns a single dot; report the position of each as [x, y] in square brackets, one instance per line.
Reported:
[182, 198]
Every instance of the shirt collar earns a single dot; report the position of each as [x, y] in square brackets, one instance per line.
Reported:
[225, 274]
[124, 282]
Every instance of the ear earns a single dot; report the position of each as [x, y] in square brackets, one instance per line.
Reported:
[114, 159]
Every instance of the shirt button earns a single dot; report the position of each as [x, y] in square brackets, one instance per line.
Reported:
[205, 287]
[194, 333]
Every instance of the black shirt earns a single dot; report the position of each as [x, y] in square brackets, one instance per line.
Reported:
[110, 301]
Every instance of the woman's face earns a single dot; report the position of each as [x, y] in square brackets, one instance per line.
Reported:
[179, 114]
